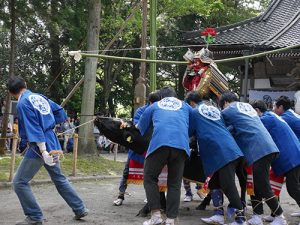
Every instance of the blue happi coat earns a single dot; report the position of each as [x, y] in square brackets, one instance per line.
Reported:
[37, 117]
[293, 120]
[170, 120]
[286, 141]
[250, 134]
[216, 145]
[136, 117]
[138, 113]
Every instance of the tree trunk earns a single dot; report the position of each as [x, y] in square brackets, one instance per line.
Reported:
[111, 73]
[108, 66]
[140, 87]
[111, 107]
[135, 76]
[56, 92]
[181, 70]
[11, 73]
[86, 136]
[115, 38]
[144, 39]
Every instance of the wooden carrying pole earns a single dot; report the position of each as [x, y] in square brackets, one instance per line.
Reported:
[13, 158]
[75, 150]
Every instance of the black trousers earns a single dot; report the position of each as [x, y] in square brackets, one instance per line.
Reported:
[224, 178]
[293, 183]
[262, 187]
[242, 177]
[154, 163]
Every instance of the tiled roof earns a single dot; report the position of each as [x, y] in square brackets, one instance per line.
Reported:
[277, 27]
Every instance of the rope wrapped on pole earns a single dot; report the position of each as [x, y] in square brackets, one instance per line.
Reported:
[73, 53]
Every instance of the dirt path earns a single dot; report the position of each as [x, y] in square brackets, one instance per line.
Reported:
[98, 197]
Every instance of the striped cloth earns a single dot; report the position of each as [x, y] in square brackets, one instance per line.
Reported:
[136, 175]
[275, 181]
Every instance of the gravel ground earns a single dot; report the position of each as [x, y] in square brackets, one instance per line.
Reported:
[98, 196]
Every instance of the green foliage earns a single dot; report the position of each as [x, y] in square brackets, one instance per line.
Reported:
[47, 29]
[179, 8]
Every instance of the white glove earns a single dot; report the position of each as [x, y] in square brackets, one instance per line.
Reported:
[48, 159]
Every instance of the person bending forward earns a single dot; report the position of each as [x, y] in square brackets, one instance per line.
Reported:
[169, 146]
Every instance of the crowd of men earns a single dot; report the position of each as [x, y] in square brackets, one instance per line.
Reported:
[228, 136]
[232, 138]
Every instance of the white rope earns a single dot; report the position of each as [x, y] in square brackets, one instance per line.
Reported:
[240, 214]
[75, 127]
[157, 47]
[65, 132]
[264, 201]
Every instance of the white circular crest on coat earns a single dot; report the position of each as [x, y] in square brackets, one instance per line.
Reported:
[210, 112]
[170, 103]
[40, 103]
[246, 108]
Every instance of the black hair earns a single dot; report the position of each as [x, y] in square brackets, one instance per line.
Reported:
[154, 96]
[15, 84]
[284, 101]
[167, 92]
[259, 104]
[193, 96]
[227, 97]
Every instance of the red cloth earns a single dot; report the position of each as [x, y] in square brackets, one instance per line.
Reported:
[136, 175]
[275, 181]
[192, 82]
[205, 186]
[136, 172]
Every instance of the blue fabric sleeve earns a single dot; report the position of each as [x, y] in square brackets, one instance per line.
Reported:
[59, 113]
[136, 157]
[224, 114]
[192, 124]
[137, 115]
[34, 131]
[22, 145]
[145, 121]
[267, 121]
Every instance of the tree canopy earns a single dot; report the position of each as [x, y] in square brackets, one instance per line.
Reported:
[47, 29]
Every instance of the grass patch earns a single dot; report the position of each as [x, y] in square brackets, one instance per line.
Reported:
[86, 166]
